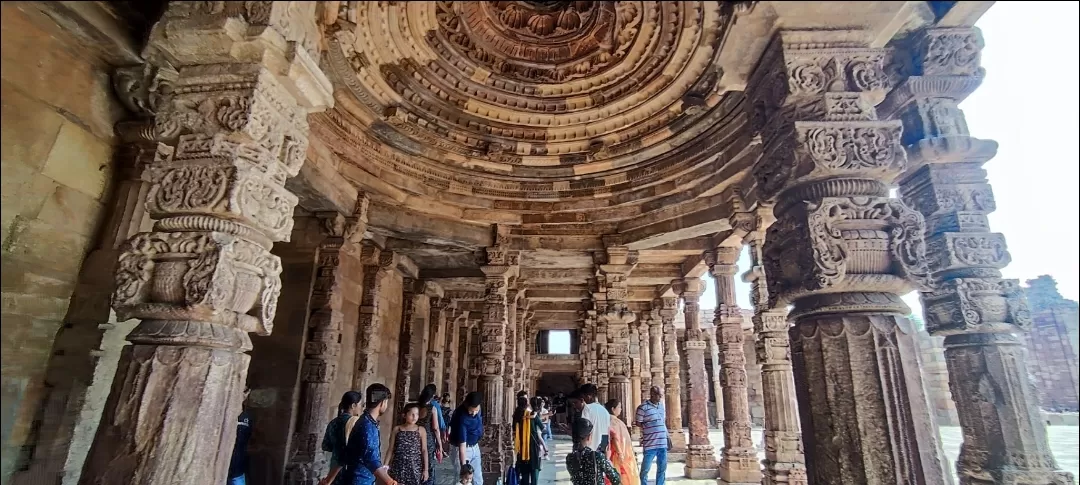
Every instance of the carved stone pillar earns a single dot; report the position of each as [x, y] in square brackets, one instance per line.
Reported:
[645, 352]
[635, 372]
[784, 460]
[656, 350]
[412, 290]
[616, 319]
[714, 352]
[738, 459]
[700, 459]
[470, 359]
[978, 312]
[509, 388]
[323, 348]
[232, 128]
[377, 263]
[525, 341]
[841, 252]
[603, 377]
[635, 378]
[437, 327]
[492, 361]
[673, 389]
[451, 350]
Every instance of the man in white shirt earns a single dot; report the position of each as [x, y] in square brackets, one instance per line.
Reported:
[585, 400]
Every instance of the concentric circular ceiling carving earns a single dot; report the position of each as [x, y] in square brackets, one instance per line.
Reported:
[502, 101]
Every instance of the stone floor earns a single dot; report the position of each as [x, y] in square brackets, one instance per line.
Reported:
[1064, 441]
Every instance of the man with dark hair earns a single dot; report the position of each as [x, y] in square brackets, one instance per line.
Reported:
[597, 414]
[466, 428]
[363, 455]
[651, 418]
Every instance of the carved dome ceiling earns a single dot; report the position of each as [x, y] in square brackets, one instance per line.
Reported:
[518, 106]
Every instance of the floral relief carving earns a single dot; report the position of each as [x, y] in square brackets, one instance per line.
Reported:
[987, 305]
[952, 52]
[200, 274]
[968, 250]
[826, 221]
[853, 148]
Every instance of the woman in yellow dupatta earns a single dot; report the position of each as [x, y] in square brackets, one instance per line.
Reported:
[529, 446]
[621, 446]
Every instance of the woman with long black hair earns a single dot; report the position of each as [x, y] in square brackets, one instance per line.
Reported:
[337, 433]
[528, 441]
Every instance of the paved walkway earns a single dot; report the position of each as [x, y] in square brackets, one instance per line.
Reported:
[1064, 441]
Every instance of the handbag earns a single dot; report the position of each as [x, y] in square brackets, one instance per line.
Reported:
[511, 476]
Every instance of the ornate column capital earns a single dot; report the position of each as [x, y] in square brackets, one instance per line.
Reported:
[827, 162]
[667, 305]
[690, 289]
[721, 261]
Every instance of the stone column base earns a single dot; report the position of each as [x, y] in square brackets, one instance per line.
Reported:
[492, 449]
[700, 462]
[739, 468]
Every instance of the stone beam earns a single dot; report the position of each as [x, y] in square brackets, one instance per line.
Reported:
[698, 223]
[441, 273]
[564, 242]
[410, 225]
[699, 243]
[560, 293]
[473, 285]
[641, 293]
[552, 306]
[648, 274]
[693, 267]
[557, 276]
[964, 14]
[547, 324]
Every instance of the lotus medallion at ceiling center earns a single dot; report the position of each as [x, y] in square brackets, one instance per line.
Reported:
[536, 100]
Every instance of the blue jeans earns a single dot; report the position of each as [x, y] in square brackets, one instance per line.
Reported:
[240, 480]
[660, 454]
[547, 431]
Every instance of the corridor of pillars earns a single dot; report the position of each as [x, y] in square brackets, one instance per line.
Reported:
[843, 394]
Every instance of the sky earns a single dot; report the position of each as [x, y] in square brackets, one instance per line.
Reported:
[1029, 104]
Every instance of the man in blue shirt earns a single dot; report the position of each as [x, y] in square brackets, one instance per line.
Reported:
[466, 428]
[363, 455]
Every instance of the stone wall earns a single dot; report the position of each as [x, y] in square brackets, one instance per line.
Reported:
[56, 159]
[388, 339]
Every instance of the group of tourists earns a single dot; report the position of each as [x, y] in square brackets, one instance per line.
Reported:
[603, 451]
[355, 445]
[430, 432]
